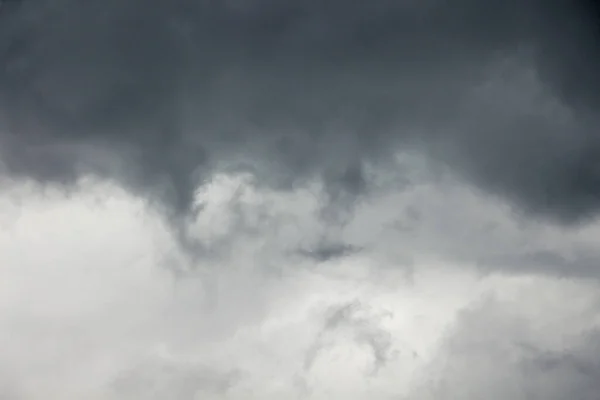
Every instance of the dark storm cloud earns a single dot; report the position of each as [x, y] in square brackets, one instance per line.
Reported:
[300, 89]
[326, 251]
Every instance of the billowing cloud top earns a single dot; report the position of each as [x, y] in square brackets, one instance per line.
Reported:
[159, 94]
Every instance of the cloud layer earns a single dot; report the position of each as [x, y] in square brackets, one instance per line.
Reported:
[160, 95]
[89, 311]
[392, 199]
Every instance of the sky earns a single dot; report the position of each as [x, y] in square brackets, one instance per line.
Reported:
[255, 199]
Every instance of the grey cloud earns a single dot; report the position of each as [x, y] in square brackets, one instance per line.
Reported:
[9, 389]
[157, 380]
[447, 220]
[582, 263]
[434, 216]
[323, 252]
[580, 361]
[497, 352]
[366, 329]
[177, 89]
[494, 352]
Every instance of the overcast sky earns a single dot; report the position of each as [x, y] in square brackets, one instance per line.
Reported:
[257, 199]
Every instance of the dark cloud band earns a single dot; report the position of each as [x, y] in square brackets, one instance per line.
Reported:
[157, 94]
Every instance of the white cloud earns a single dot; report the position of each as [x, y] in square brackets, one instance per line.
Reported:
[89, 308]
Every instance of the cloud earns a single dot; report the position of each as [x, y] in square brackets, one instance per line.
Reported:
[385, 196]
[88, 311]
[157, 379]
[160, 95]
[365, 330]
[497, 350]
